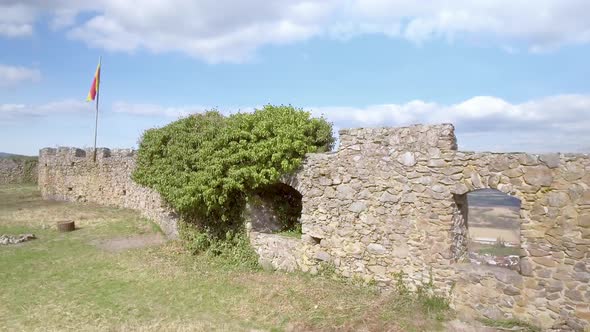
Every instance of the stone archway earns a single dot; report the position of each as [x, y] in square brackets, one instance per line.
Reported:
[274, 208]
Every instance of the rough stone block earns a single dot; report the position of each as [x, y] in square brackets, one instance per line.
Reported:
[407, 159]
[558, 199]
[538, 176]
[322, 256]
[376, 249]
[550, 159]
[526, 267]
[386, 197]
[512, 291]
[545, 261]
[574, 295]
[357, 207]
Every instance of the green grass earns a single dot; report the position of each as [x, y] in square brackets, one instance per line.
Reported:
[62, 281]
[511, 324]
[296, 234]
[499, 251]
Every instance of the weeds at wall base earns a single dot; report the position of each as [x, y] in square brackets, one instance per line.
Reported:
[232, 250]
[431, 301]
[510, 324]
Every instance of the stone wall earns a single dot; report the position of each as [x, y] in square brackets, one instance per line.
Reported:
[392, 200]
[70, 174]
[18, 170]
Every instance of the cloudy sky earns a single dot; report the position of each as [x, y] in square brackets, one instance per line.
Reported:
[512, 75]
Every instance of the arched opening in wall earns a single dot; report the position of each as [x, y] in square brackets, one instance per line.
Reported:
[493, 228]
[275, 208]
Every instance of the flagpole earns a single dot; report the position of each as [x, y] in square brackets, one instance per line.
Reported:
[96, 119]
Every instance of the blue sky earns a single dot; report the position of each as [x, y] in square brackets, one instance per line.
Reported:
[511, 75]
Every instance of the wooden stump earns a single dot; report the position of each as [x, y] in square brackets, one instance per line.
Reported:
[66, 226]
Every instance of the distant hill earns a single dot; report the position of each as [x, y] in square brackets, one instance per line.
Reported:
[12, 155]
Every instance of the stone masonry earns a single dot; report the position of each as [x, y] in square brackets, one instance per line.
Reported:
[14, 171]
[70, 174]
[391, 200]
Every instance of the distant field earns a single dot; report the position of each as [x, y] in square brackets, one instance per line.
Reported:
[493, 215]
[492, 234]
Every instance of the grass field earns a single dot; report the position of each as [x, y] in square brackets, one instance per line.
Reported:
[77, 281]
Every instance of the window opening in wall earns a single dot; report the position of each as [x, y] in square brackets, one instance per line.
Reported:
[275, 208]
[493, 228]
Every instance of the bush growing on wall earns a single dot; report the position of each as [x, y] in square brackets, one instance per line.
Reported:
[205, 165]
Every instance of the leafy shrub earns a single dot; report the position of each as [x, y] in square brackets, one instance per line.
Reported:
[233, 250]
[205, 165]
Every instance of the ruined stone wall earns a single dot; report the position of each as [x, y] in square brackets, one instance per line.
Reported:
[18, 170]
[392, 200]
[70, 174]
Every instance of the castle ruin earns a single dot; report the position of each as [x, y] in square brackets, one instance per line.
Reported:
[392, 200]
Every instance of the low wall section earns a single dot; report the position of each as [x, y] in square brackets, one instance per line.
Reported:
[18, 170]
[71, 174]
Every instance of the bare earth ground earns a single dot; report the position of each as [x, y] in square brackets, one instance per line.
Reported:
[116, 272]
[118, 244]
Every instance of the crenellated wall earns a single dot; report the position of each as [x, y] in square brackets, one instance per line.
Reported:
[71, 174]
[390, 201]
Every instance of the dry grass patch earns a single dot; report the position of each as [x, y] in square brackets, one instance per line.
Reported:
[62, 281]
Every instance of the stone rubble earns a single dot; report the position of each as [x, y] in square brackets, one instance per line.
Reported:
[14, 239]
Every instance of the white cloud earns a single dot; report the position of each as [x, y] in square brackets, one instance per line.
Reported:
[16, 20]
[555, 123]
[212, 30]
[228, 30]
[172, 112]
[23, 112]
[13, 75]
[153, 109]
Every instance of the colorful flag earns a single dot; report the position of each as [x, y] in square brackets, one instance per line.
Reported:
[95, 84]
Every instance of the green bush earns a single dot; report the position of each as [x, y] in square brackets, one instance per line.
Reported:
[206, 165]
[233, 250]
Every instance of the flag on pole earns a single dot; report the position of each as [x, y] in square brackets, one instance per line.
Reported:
[95, 84]
[92, 95]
